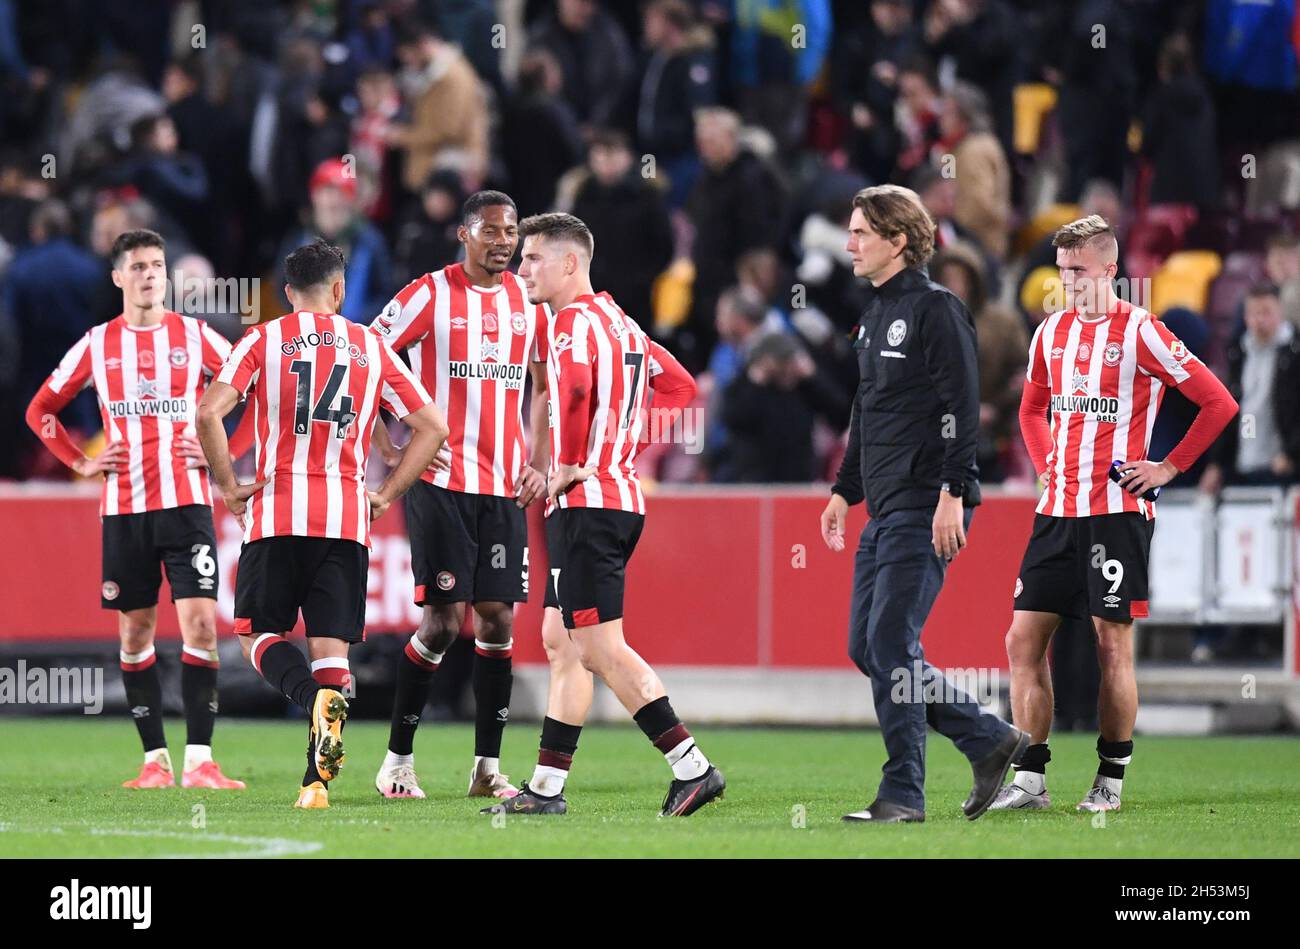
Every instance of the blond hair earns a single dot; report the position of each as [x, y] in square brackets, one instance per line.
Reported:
[892, 210]
[1091, 231]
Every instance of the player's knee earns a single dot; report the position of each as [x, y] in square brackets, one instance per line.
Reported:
[1020, 647]
[137, 635]
[439, 628]
[1114, 649]
[201, 633]
[591, 655]
[497, 623]
[559, 649]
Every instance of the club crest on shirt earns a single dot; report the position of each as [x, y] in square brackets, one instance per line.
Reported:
[489, 323]
[179, 357]
[1085, 352]
[897, 332]
[145, 359]
[110, 590]
[518, 323]
[1112, 354]
[446, 580]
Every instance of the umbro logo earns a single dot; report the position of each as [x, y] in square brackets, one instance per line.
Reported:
[503, 715]
[411, 719]
[1112, 600]
[140, 711]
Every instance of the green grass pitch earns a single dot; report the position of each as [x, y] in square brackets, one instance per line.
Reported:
[1184, 797]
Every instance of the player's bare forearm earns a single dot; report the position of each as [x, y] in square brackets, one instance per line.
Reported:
[539, 422]
[383, 441]
[217, 403]
[241, 440]
[428, 432]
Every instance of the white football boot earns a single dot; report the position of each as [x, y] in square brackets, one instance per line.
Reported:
[1100, 798]
[1026, 792]
[398, 780]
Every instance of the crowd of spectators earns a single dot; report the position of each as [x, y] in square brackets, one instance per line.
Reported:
[713, 146]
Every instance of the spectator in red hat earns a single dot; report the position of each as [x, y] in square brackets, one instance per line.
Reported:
[335, 214]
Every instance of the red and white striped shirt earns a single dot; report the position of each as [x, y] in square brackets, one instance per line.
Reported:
[317, 381]
[594, 331]
[471, 347]
[1106, 377]
[149, 380]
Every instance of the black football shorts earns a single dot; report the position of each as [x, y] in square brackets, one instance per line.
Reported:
[323, 577]
[1081, 566]
[589, 549]
[466, 548]
[136, 546]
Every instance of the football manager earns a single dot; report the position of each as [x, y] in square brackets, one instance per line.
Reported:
[911, 457]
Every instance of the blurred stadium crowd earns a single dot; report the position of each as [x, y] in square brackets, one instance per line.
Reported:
[713, 147]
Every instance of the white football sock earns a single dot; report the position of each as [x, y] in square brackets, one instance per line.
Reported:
[394, 761]
[687, 761]
[548, 781]
[160, 756]
[1112, 785]
[1030, 782]
[195, 755]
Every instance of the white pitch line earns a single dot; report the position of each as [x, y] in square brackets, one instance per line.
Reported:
[261, 846]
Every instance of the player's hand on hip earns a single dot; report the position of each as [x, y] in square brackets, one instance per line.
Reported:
[834, 519]
[1139, 477]
[532, 485]
[949, 532]
[188, 447]
[565, 476]
[442, 460]
[237, 497]
[113, 458]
